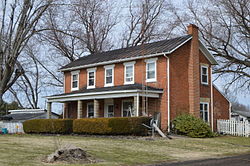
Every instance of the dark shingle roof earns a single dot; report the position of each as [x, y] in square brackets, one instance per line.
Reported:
[113, 88]
[130, 52]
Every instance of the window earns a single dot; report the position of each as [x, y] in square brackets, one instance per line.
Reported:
[151, 70]
[91, 78]
[204, 114]
[109, 75]
[111, 110]
[90, 110]
[127, 109]
[129, 72]
[74, 80]
[204, 75]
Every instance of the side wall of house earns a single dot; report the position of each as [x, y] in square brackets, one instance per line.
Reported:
[221, 107]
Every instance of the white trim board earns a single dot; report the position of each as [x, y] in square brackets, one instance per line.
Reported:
[103, 95]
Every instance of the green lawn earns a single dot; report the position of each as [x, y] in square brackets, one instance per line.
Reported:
[30, 149]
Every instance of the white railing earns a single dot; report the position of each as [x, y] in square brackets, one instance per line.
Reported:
[13, 127]
[233, 127]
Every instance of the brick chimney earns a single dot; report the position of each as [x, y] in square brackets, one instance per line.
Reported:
[193, 72]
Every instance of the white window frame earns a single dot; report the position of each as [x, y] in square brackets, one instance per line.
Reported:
[203, 118]
[123, 101]
[108, 67]
[88, 71]
[72, 74]
[87, 115]
[151, 60]
[206, 67]
[125, 71]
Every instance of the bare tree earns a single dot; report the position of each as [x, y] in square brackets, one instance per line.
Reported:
[144, 22]
[19, 21]
[225, 28]
[94, 20]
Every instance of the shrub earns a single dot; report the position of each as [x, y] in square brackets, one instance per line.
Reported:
[111, 126]
[49, 126]
[191, 126]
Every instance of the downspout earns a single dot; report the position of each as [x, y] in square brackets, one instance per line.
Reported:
[168, 91]
[212, 101]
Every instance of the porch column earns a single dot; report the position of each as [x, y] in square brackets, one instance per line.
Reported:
[79, 109]
[96, 108]
[49, 110]
[136, 104]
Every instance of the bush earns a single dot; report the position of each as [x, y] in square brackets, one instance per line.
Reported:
[49, 126]
[191, 126]
[111, 126]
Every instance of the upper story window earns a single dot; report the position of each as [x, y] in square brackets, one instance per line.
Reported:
[151, 70]
[109, 75]
[91, 78]
[129, 72]
[204, 114]
[204, 75]
[75, 80]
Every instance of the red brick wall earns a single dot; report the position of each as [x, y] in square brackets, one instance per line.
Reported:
[221, 107]
[179, 99]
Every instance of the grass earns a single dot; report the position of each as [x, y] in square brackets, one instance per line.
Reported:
[17, 150]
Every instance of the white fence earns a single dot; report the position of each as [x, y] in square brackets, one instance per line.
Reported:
[13, 127]
[233, 127]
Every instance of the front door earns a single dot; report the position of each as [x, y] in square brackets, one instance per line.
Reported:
[109, 108]
[127, 108]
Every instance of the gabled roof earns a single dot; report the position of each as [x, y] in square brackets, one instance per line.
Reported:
[129, 53]
[242, 113]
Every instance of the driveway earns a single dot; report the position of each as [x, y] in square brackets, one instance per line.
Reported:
[241, 160]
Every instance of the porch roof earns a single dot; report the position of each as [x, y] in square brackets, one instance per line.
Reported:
[107, 92]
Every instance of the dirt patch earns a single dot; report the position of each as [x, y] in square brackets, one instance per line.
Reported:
[69, 154]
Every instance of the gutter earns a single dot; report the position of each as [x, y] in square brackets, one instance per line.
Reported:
[168, 91]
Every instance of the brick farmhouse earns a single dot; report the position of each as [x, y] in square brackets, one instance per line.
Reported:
[163, 79]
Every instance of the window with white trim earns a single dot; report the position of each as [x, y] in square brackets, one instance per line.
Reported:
[109, 75]
[90, 110]
[129, 72]
[91, 78]
[204, 113]
[204, 75]
[75, 80]
[151, 70]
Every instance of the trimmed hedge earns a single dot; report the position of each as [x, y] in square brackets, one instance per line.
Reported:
[111, 126]
[49, 126]
[191, 126]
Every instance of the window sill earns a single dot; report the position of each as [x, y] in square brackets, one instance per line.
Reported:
[128, 83]
[74, 89]
[151, 80]
[108, 85]
[206, 84]
[90, 87]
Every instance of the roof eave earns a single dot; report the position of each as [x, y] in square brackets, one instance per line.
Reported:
[208, 55]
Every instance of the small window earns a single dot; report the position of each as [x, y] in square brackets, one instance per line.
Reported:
[129, 72]
[91, 78]
[109, 75]
[204, 75]
[74, 80]
[90, 109]
[204, 112]
[151, 70]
